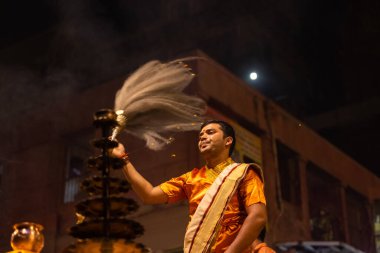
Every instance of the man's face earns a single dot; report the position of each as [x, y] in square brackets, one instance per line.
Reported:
[212, 140]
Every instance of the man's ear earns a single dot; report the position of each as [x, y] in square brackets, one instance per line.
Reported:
[229, 140]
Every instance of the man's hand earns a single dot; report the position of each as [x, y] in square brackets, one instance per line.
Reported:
[119, 151]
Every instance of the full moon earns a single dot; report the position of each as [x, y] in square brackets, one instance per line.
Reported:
[253, 76]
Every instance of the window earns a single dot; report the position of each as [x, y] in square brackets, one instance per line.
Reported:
[75, 171]
[377, 224]
[325, 205]
[289, 174]
[359, 223]
[1, 175]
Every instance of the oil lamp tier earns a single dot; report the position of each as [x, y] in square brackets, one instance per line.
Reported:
[102, 218]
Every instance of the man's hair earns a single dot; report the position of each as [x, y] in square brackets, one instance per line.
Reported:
[227, 131]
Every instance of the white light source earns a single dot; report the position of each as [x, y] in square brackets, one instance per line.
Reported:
[253, 76]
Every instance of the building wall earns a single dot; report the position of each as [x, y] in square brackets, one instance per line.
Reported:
[258, 113]
[34, 177]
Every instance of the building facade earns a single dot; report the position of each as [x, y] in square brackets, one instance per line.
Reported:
[314, 191]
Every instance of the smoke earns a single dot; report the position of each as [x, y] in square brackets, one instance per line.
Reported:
[91, 41]
[84, 47]
[80, 52]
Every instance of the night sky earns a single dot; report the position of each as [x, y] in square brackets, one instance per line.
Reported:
[313, 57]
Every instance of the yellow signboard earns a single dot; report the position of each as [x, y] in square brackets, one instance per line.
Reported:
[248, 145]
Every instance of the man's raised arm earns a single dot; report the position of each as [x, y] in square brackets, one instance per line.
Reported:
[146, 192]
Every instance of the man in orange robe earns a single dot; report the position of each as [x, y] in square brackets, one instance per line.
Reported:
[244, 216]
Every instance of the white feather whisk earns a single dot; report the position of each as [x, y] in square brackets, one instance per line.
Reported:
[153, 102]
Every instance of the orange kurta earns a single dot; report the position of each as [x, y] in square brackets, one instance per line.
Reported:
[194, 185]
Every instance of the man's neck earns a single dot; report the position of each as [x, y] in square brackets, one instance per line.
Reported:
[212, 162]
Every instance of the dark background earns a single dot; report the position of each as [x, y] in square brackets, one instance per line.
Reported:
[317, 59]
